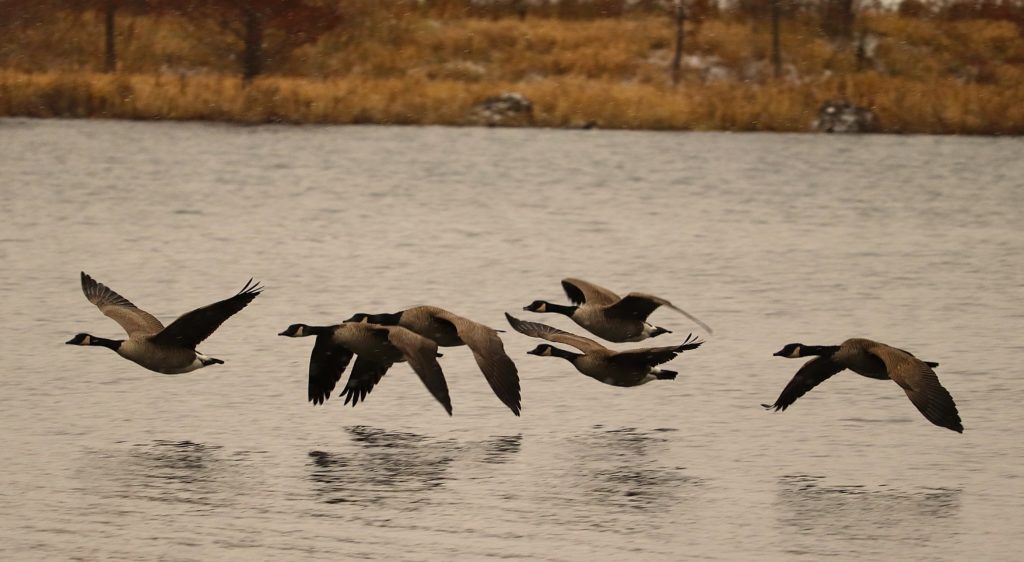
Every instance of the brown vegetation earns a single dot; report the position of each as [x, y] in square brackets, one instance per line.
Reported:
[386, 65]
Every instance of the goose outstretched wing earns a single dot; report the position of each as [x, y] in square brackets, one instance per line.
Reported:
[489, 351]
[921, 384]
[810, 375]
[327, 362]
[421, 353]
[638, 306]
[543, 331]
[191, 328]
[134, 320]
[580, 292]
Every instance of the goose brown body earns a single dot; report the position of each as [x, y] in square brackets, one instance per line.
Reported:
[447, 329]
[617, 368]
[168, 350]
[609, 316]
[376, 348]
[877, 361]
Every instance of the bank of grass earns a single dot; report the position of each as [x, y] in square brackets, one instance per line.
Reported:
[903, 105]
[957, 77]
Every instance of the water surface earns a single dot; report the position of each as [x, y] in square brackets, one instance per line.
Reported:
[914, 241]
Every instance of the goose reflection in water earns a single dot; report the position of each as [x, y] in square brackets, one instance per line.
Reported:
[396, 466]
[873, 516]
[619, 471]
[168, 471]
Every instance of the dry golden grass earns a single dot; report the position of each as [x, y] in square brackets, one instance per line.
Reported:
[953, 77]
[902, 105]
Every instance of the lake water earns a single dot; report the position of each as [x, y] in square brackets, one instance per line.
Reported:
[771, 239]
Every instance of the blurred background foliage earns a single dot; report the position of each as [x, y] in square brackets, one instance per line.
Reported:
[923, 66]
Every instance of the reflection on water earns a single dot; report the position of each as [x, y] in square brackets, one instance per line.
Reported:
[397, 466]
[618, 480]
[500, 450]
[621, 468]
[809, 507]
[166, 471]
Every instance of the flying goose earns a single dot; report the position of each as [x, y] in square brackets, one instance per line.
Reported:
[170, 350]
[617, 368]
[873, 360]
[378, 348]
[609, 316]
[450, 330]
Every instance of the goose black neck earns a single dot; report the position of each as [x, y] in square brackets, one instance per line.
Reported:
[104, 342]
[564, 354]
[321, 330]
[560, 309]
[384, 319]
[825, 350]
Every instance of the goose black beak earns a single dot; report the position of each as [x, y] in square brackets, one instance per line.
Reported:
[284, 333]
[70, 341]
[777, 354]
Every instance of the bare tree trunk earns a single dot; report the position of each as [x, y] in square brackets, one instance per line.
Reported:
[776, 50]
[110, 58]
[838, 19]
[677, 58]
[520, 8]
[860, 53]
[252, 57]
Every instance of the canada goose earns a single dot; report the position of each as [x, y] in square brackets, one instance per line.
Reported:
[449, 330]
[170, 350]
[617, 368]
[378, 347]
[873, 360]
[609, 316]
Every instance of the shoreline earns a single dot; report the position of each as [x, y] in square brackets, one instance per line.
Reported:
[242, 125]
[951, 108]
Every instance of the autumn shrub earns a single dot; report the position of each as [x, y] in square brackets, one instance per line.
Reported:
[409, 63]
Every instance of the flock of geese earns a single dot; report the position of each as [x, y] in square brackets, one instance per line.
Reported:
[414, 335]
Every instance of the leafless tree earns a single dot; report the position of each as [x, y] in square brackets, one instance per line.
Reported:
[776, 47]
[679, 13]
[838, 18]
[262, 26]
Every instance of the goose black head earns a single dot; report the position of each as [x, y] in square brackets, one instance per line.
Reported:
[537, 306]
[658, 330]
[791, 351]
[90, 340]
[80, 339]
[297, 331]
[359, 317]
[542, 349]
